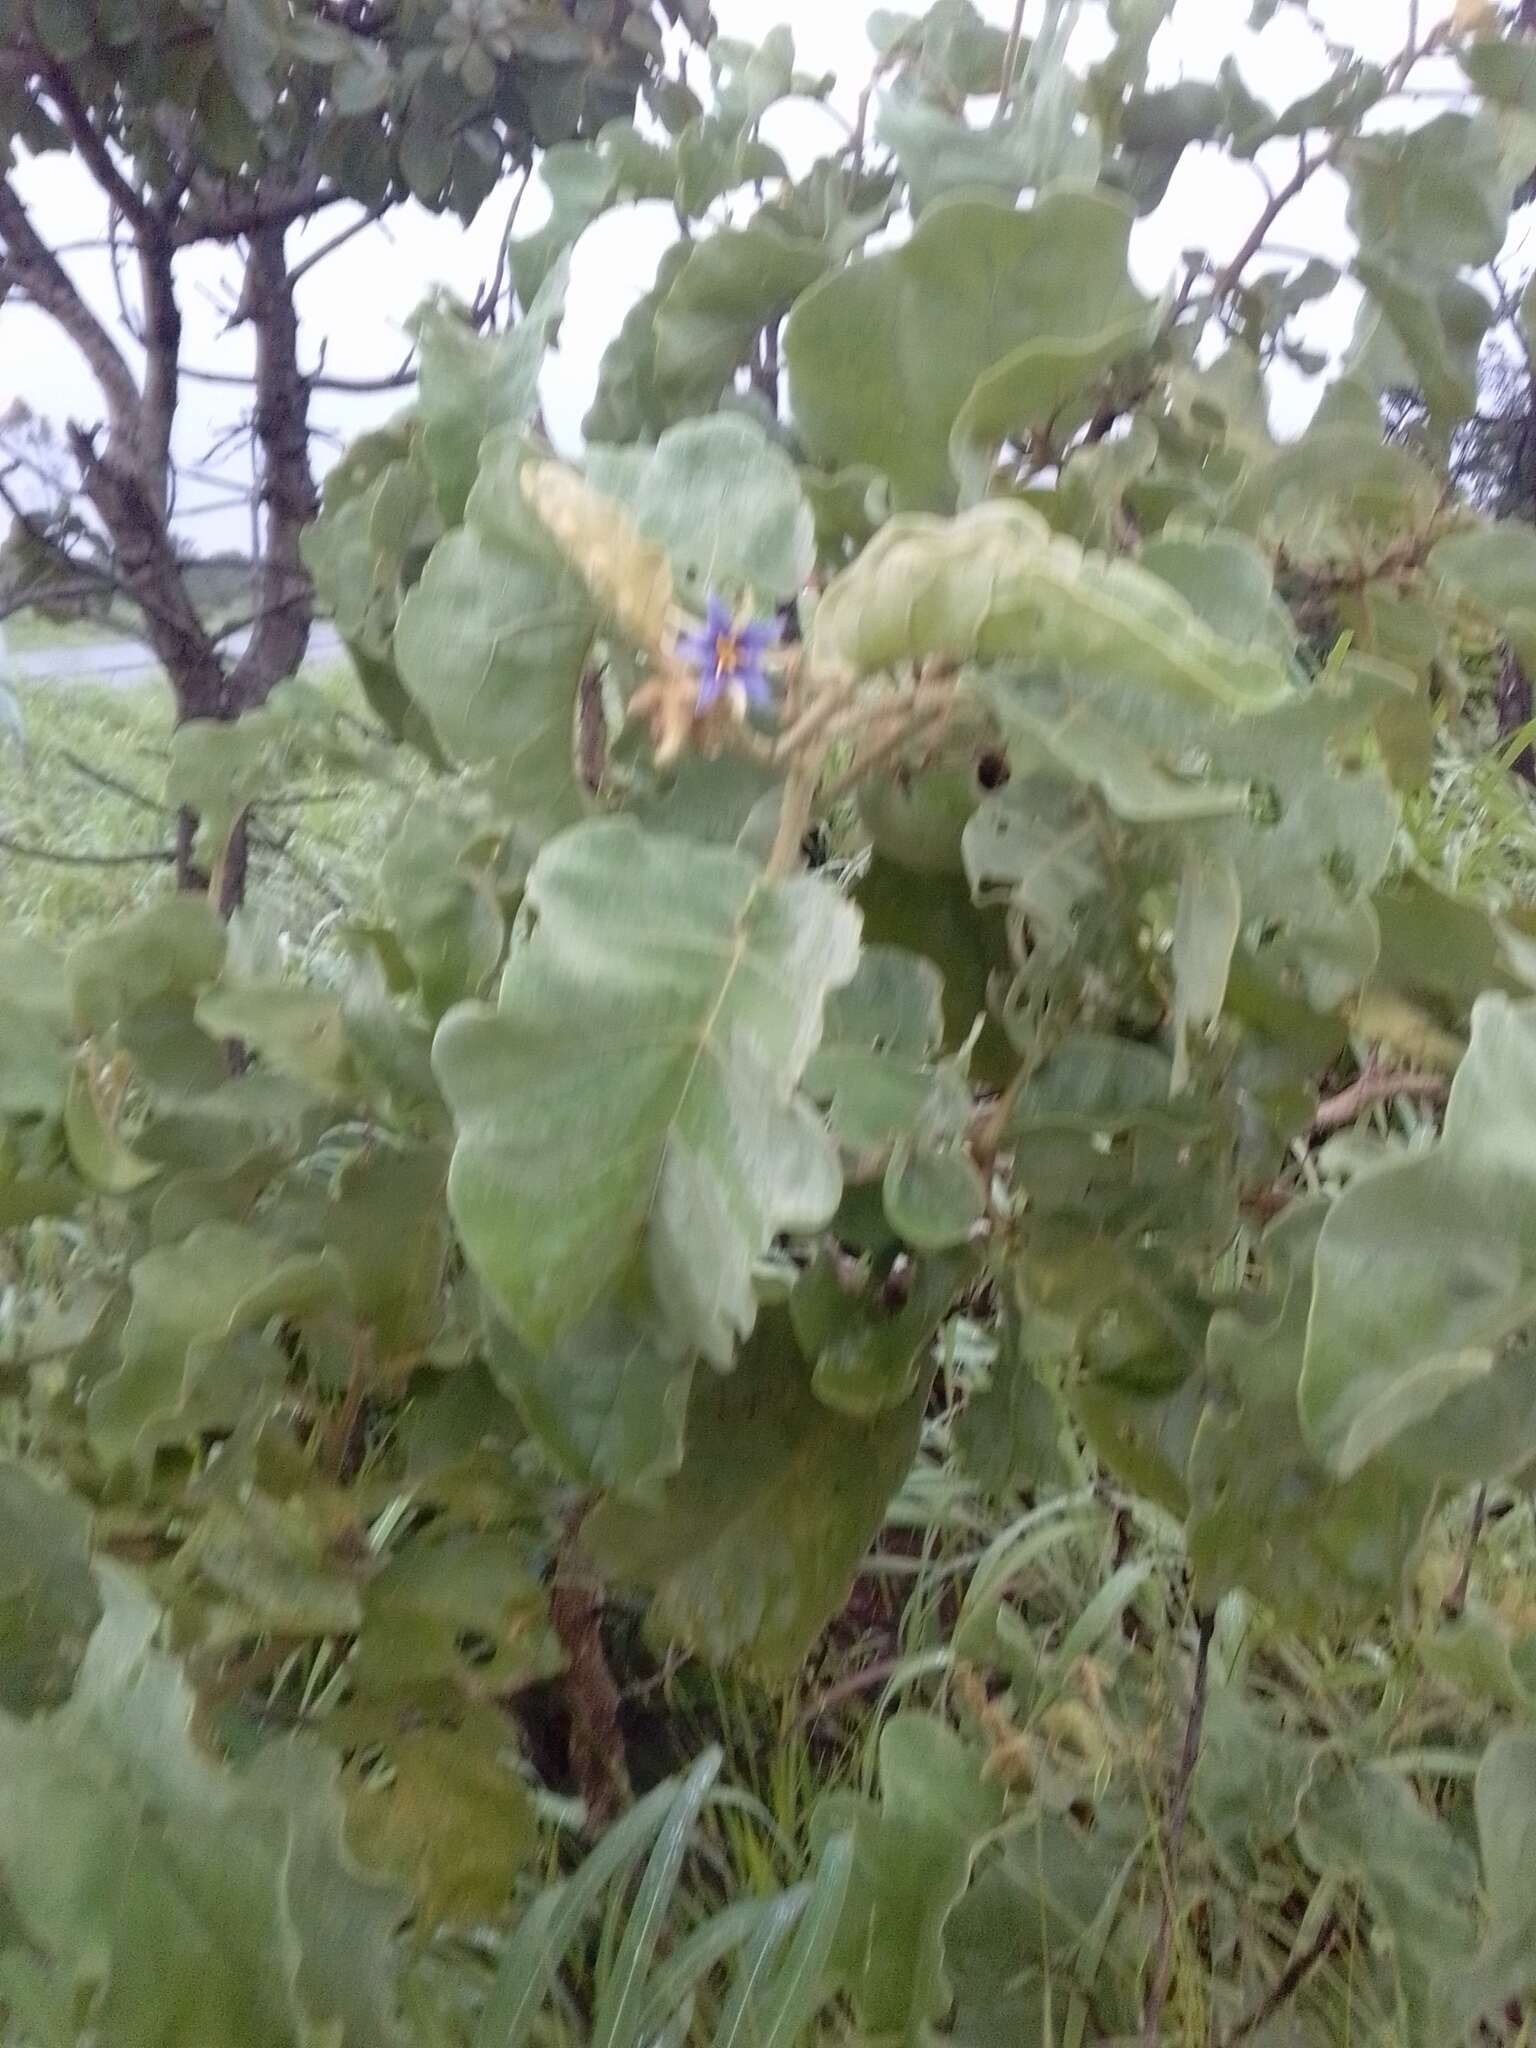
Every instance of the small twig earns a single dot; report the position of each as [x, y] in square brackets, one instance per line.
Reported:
[1010, 62]
[141, 857]
[1290, 1980]
[848, 1688]
[1376, 1084]
[334, 242]
[1454, 1605]
[123, 789]
[1178, 1813]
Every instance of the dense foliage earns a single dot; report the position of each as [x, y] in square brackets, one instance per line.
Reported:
[858, 1050]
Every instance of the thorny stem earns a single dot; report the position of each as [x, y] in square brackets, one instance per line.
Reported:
[1178, 1812]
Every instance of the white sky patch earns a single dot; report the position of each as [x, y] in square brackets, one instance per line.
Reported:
[353, 306]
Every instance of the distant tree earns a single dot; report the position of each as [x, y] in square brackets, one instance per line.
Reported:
[228, 125]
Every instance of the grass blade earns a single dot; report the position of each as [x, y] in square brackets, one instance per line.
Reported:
[798, 1989]
[692, 1960]
[537, 1948]
[753, 1971]
[619, 2009]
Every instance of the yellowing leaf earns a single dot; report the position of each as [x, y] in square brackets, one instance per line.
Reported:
[627, 574]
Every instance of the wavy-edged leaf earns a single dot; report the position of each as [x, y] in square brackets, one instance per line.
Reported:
[912, 1859]
[492, 643]
[454, 1823]
[1496, 567]
[724, 502]
[880, 1037]
[883, 355]
[1369, 1827]
[1048, 387]
[470, 385]
[1205, 932]
[1425, 1266]
[49, 1604]
[1504, 1969]
[734, 283]
[997, 584]
[652, 1028]
[1267, 1513]
[868, 1343]
[115, 1835]
[608, 1401]
[192, 1353]
[757, 1537]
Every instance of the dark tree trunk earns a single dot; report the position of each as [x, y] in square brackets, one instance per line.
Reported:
[1513, 700]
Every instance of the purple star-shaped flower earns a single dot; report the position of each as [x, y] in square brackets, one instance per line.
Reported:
[729, 654]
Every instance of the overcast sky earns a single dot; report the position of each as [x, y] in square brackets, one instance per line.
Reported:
[355, 303]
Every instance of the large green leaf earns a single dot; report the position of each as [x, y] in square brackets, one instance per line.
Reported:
[1368, 1827]
[471, 385]
[452, 1609]
[1312, 842]
[608, 1401]
[912, 1858]
[882, 1032]
[580, 182]
[1267, 1513]
[868, 1342]
[996, 584]
[115, 1847]
[1029, 1937]
[49, 1604]
[454, 1822]
[626, 405]
[168, 952]
[1424, 1267]
[1046, 388]
[1439, 323]
[882, 356]
[1496, 567]
[756, 1539]
[635, 1089]
[492, 643]
[1504, 1970]
[443, 913]
[734, 284]
[193, 1357]
[722, 500]
[1441, 188]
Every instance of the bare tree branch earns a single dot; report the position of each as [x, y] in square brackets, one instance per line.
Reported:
[162, 349]
[285, 595]
[335, 242]
[52, 290]
[147, 856]
[215, 215]
[93, 146]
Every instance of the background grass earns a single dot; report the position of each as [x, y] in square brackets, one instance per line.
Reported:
[87, 779]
